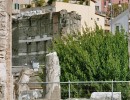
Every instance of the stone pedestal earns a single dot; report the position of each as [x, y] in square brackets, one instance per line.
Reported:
[52, 75]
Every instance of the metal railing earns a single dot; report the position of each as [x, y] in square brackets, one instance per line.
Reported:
[81, 89]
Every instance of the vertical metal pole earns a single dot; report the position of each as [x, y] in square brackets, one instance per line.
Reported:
[112, 91]
[129, 32]
[44, 69]
[111, 16]
[69, 89]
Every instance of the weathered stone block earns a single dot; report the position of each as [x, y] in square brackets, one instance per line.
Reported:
[2, 5]
[34, 22]
[33, 31]
[23, 33]
[52, 75]
[33, 47]
[2, 44]
[41, 46]
[22, 60]
[24, 23]
[3, 34]
[105, 96]
[42, 29]
[3, 75]
[22, 48]
[15, 61]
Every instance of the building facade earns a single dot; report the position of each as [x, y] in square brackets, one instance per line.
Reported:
[87, 12]
[20, 4]
[103, 5]
[121, 22]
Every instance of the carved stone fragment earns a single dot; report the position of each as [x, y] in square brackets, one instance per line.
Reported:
[52, 75]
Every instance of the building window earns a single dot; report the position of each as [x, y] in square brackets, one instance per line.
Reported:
[87, 2]
[97, 19]
[107, 31]
[117, 28]
[16, 6]
[97, 8]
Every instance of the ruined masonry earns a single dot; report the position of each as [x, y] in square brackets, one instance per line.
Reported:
[32, 35]
[52, 75]
[6, 78]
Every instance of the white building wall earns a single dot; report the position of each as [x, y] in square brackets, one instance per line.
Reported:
[100, 20]
[87, 12]
[22, 1]
[16, 6]
[121, 21]
[98, 3]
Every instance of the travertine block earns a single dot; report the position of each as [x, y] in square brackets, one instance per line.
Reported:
[52, 75]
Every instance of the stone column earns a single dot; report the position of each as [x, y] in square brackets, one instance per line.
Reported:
[52, 75]
[6, 78]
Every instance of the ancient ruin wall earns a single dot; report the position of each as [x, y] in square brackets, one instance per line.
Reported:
[6, 83]
[40, 27]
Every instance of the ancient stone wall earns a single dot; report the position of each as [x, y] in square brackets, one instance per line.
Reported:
[6, 79]
[70, 22]
[29, 38]
[32, 35]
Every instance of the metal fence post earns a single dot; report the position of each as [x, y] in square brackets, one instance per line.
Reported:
[112, 91]
[69, 89]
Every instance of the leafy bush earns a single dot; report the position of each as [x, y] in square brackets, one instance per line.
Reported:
[95, 56]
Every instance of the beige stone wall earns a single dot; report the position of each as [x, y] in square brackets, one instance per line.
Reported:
[87, 13]
[6, 82]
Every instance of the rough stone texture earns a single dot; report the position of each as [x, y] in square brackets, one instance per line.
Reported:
[101, 96]
[52, 75]
[70, 22]
[40, 28]
[37, 10]
[24, 77]
[6, 79]
[77, 99]
[105, 96]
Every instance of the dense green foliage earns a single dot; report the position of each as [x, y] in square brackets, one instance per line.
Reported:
[94, 56]
[87, 2]
[39, 3]
[116, 9]
[50, 1]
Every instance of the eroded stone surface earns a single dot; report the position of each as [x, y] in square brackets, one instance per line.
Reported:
[105, 96]
[6, 79]
[52, 75]
[24, 77]
[42, 28]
